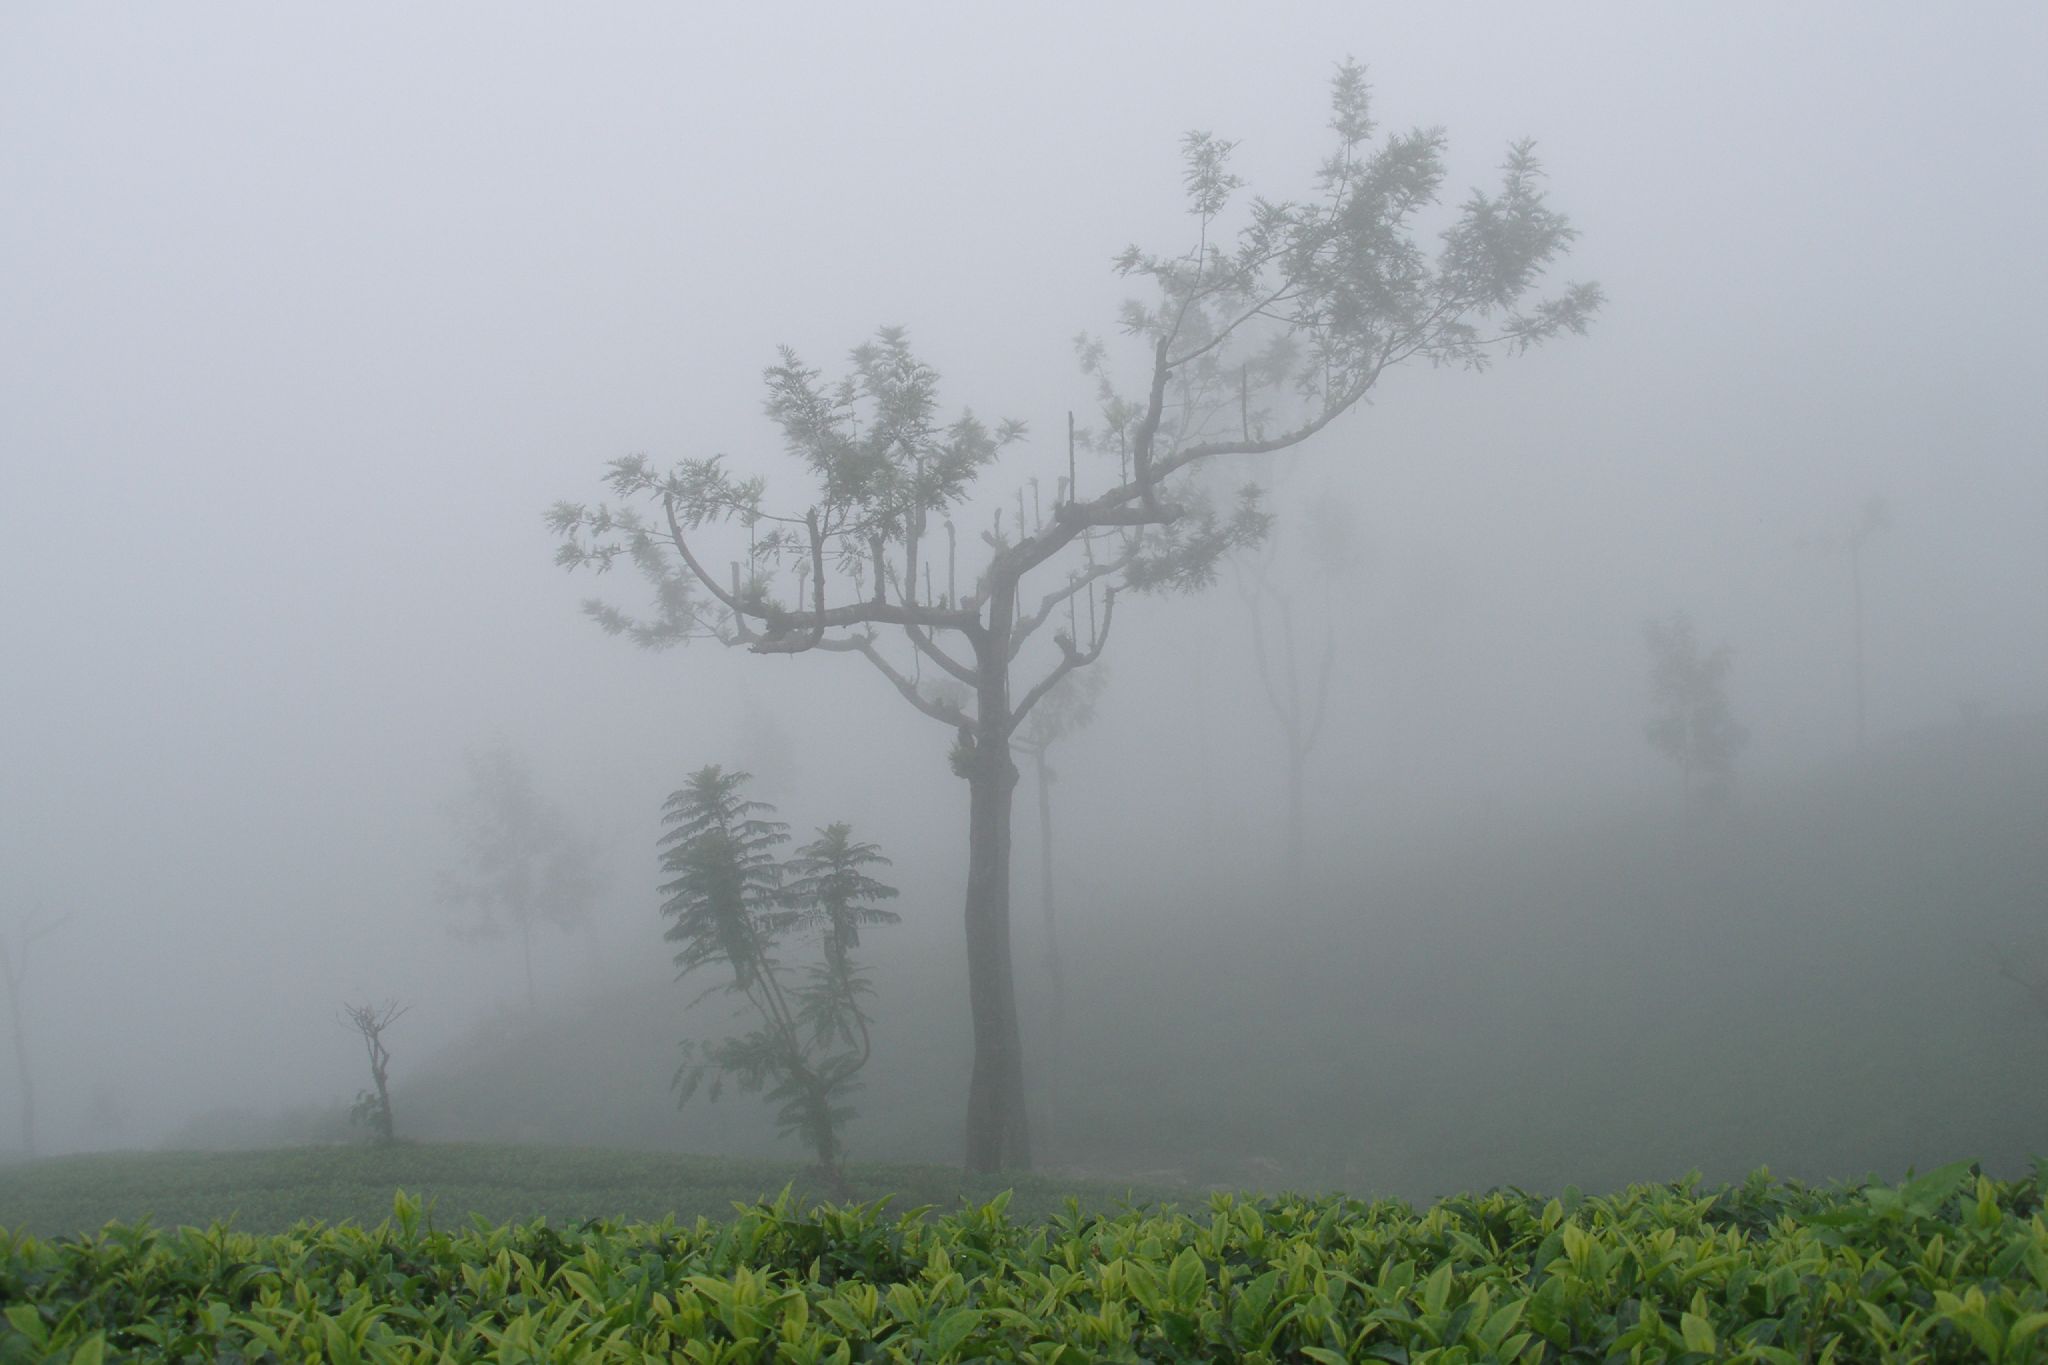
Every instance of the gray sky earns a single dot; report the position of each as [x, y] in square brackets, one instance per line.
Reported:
[307, 314]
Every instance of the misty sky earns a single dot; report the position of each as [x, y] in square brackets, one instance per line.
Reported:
[307, 314]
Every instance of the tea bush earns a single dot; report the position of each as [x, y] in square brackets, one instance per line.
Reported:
[1949, 1266]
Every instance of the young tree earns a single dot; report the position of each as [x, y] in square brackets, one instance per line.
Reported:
[373, 1106]
[731, 900]
[1313, 303]
[524, 865]
[1692, 725]
[14, 976]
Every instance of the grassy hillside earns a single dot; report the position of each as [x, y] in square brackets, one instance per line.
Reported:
[269, 1191]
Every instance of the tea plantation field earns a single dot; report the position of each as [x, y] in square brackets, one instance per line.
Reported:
[269, 1191]
[1948, 1266]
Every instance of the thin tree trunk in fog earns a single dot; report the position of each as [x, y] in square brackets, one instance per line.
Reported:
[1205, 769]
[387, 1129]
[1297, 813]
[1856, 589]
[21, 1071]
[14, 975]
[526, 947]
[1301, 720]
[1048, 899]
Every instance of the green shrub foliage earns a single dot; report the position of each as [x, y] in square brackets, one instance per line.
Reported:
[731, 902]
[1948, 1267]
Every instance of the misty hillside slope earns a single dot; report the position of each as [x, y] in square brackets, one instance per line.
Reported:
[1811, 981]
[270, 1191]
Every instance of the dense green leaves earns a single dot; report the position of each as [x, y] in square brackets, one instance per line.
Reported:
[719, 852]
[732, 899]
[1949, 1267]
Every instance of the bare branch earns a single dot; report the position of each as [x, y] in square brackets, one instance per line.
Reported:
[793, 632]
[1331, 411]
[942, 711]
[730, 600]
[1071, 659]
[1027, 625]
[929, 647]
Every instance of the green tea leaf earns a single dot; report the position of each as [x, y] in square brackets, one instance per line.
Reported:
[1186, 1279]
[1697, 1333]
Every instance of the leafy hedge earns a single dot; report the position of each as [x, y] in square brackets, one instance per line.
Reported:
[1949, 1266]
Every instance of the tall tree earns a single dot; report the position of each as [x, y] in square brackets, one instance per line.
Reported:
[1692, 724]
[524, 865]
[1311, 305]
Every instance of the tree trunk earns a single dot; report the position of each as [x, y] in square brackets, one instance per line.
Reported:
[1297, 806]
[1055, 971]
[998, 1135]
[526, 946]
[28, 1089]
[1856, 587]
[387, 1129]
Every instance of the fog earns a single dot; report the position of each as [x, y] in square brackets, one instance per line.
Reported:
[306, 318]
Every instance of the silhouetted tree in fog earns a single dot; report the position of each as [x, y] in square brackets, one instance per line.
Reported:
[1872, 517]
[1296, 666]
[1066, 711]
[14, 976]
[1691, 723]
[373, 1106]
[731, 901]
[524, 866]
[2027, 967]
[1298, 314]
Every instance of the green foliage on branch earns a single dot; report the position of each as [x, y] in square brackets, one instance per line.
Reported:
[732, 901]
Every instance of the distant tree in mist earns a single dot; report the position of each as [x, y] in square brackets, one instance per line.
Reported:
[1690, 722]
[2026, 966]
[15, 944]
[1297, 654]
[1872, 517]
[1066, 711]
[373, 1106]
[1271, 320]
[732, 903]
[523, 864]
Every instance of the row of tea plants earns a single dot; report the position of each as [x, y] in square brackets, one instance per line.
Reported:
[1949, 1266]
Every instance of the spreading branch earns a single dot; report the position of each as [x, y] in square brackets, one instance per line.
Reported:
[1071, 658]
